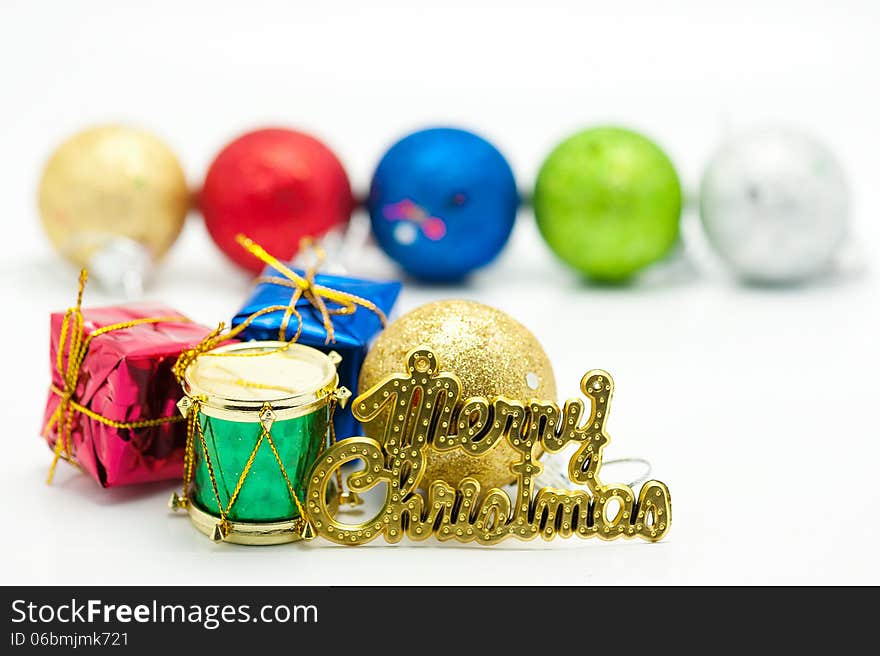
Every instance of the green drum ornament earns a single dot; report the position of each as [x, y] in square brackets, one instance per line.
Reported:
[259, 415]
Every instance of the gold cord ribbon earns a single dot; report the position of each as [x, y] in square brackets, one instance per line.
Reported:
[306, 287]
[303, 287]
[73, 341]
[217, 337]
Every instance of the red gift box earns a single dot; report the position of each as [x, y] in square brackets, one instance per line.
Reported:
[112, 403]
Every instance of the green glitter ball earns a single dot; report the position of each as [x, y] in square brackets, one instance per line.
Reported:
[608, 202]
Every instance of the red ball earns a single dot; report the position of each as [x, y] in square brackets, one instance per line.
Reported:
[276, 186]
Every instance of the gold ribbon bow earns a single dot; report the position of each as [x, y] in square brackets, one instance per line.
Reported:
[302, 286]
[306, 287]
[73, 341]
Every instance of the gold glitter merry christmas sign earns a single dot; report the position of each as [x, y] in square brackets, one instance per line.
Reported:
[409, 414]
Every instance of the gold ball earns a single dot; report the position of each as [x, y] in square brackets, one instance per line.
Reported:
[112, 181]
[492, 354]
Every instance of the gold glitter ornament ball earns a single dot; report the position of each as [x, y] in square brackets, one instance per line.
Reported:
[112, 181]
[490, 352]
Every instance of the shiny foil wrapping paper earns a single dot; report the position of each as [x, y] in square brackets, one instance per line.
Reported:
[126, 377]
[352, 333]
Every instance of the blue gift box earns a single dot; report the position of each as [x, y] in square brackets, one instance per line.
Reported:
[352, 332]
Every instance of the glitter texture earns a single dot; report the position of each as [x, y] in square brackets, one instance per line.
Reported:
[108, 182]
[775, 206]
[489, 351]
[608, 202]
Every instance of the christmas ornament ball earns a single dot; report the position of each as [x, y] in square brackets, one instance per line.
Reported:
[774, 205]
[112, 185]
[276, 186]
[608, 202]
[442, 203]
[490, 352]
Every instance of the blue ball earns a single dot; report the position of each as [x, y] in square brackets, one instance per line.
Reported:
[442, 203]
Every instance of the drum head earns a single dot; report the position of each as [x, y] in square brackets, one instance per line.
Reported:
[245, 376]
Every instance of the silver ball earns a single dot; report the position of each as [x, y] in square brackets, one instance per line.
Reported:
[774, 204]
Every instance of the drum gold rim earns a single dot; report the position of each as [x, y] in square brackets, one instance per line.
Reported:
[247, 410]
[246, 532]
[255, 533]
[251, 414]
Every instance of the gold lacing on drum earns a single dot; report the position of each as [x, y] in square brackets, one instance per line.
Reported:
[194, 429]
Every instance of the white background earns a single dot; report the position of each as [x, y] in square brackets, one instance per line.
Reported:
[756, 406]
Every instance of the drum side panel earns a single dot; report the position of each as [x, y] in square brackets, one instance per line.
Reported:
[264, 494]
